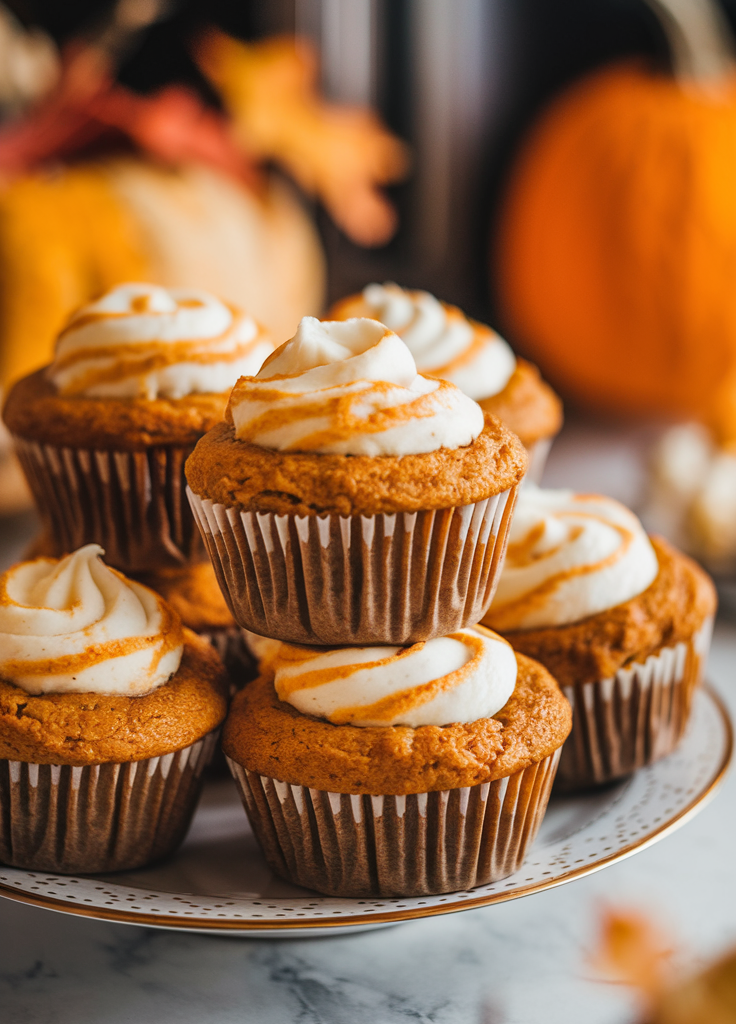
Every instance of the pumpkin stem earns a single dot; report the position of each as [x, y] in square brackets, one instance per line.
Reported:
[700, 38]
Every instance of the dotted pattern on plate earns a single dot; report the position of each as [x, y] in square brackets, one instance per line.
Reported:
[580, 834]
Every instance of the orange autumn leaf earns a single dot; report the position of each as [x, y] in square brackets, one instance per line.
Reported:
[339, 153]
[634, 952]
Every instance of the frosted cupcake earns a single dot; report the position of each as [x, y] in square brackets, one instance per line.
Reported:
[622, 621]
[445, 343]
[109, 712]
[346, 499]
[385, 771]
[103, 431]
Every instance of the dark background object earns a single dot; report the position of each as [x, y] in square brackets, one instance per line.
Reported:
[461, 80]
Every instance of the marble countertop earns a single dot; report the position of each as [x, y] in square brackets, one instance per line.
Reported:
[524, 962]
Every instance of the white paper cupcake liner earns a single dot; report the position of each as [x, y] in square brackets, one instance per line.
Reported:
[386, 579]
[421, 844]
[104, 817]
[132, 503]
[633, 718]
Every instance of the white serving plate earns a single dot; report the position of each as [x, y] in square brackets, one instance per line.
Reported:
[219, 882]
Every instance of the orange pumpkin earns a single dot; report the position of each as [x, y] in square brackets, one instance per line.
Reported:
[615, 261]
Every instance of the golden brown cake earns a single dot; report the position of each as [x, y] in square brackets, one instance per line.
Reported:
[377, 771]
[92, 728]
[270, 737]
[527, 405]
[109, 713]
[621, 620]
[194, 594]
[242, 475]
[102, 432]
[34, 410]
[347, 499]
[668, 612]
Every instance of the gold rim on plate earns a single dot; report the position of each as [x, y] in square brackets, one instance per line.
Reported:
[248, 925]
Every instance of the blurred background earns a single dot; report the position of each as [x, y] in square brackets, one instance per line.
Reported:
[560, 169]
[462, 82]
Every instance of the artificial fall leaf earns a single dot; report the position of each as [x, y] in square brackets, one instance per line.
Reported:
[708, 998]
[172, 125]
[341, 154]
[634, 952]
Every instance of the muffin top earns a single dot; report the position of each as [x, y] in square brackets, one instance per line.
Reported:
[142, 365]
[366, 720]
[338, 420]
[442, 340]
[446, 343]
[96, 728]
[95, 667]
[272, 738]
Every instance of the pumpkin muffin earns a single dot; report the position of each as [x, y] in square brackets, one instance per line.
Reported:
[348, 500]
[103, 431]
[109, 712]
[445, 343]
[622, 621]
[397, 771]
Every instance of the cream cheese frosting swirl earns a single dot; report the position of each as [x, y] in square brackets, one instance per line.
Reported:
[350, 388]
[142, 341]
[569, 556]
[76, 625]
[457, 678]
[442, 340]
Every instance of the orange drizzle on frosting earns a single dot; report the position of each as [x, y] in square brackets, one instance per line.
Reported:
[520, 553]
[482, 336]
[170, 637]
[139, 304]
[292, 655]
[286, 408]
[132, 359]
[391, 706]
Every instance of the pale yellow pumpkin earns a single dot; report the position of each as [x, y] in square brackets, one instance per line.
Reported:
[67, 236]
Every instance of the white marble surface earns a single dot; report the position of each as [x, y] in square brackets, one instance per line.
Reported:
[525, 962]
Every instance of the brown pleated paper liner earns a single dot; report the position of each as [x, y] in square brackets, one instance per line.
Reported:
[633, 718]
[416, 845]
[106, 817]
[132, 503]
[383, 579]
